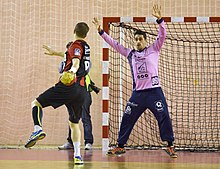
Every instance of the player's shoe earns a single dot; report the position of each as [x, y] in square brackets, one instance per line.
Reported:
[78, 160]
[171, 152]
[88, 146]
[116, 151]
[66, 146]
[35, 136]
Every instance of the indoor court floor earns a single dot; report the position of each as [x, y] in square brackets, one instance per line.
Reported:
[97, 159]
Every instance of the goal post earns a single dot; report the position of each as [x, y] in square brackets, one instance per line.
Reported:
[189, 71]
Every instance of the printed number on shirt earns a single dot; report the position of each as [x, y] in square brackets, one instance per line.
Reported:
[87, 65]
[87, 59]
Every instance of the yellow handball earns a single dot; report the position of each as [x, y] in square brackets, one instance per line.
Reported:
[67, 78]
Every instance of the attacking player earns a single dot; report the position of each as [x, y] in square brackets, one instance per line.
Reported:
[86, 117]
[147, 92]
[69, 91]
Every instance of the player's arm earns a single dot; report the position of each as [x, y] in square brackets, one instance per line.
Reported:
[75, 53]
[68, 76]
[162, 30]
[112, 42]
[94, 87]
[75, 65]
[51, 52]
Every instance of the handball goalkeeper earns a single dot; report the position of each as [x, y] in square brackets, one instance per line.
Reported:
[147, 92]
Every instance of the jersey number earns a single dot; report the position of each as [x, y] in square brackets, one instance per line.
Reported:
[87, 65]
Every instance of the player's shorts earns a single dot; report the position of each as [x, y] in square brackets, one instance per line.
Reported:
[71, 96]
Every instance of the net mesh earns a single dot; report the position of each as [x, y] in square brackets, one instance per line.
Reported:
[26, 71]
[189, 71]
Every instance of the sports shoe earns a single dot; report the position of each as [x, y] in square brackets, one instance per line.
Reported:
[78, 160]
[88, 146]
[35, 136]
[66, 146]
[116, 151]
[171, 152]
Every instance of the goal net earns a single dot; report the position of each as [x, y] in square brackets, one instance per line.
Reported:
[189, 71]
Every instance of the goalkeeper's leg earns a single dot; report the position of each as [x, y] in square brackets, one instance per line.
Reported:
[160, 110]
[38, 133]
[134, 108]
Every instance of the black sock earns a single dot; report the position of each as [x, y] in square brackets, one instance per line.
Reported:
[37, 115]
[121, 145]
[170, 144]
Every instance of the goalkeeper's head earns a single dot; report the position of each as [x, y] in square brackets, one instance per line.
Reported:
[81, 30]
[140, 40]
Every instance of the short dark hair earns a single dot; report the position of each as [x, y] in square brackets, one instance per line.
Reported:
[81, 29]
[140, 32]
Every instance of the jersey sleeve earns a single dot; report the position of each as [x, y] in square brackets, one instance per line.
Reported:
[161, 35]
[114, 44]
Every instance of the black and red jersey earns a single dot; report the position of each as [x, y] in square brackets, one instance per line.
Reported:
[81, 50]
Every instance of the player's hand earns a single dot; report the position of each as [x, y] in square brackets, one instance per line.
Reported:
[157, 11]
[96, 22]
[49, 50]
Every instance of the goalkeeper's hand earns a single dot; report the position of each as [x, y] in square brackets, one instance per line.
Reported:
[67, 77]
[157, 12]
[97, 24]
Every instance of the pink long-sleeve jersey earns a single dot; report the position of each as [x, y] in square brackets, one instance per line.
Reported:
[143, 64]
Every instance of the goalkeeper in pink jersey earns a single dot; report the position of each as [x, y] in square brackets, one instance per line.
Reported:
[147, 92]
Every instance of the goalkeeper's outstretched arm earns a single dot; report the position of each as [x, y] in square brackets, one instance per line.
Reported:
[108, 39]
